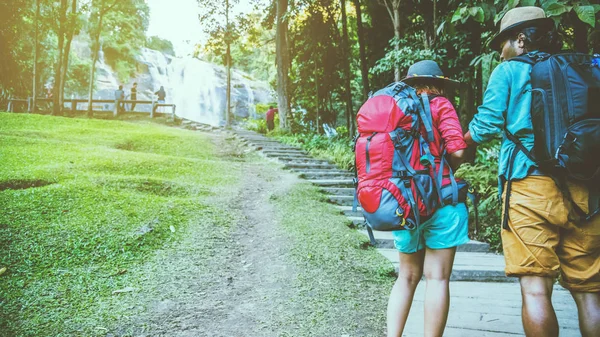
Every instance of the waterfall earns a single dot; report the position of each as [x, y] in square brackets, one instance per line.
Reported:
[251, 106]
[196, 87]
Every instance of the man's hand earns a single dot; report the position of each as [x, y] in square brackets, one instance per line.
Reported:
[469, 140]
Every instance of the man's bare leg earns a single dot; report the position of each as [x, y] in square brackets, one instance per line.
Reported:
[588, 306]
[539, 318]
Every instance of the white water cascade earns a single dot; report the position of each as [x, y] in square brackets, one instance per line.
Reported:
[198, 88]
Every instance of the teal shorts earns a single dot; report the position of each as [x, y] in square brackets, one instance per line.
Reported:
[447, 228]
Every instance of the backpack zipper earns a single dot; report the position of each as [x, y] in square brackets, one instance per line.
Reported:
[559, 121]
[368, 166]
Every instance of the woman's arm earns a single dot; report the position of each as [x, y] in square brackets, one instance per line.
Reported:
[451, 133]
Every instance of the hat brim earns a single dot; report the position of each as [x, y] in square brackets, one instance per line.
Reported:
[504, 34]
[448, 82]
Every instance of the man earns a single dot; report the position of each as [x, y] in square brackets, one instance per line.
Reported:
[162, 95]
[133, 95]
[271, 118]
[119, 96]
[541, 239]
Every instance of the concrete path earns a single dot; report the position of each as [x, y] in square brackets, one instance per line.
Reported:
[479, 309]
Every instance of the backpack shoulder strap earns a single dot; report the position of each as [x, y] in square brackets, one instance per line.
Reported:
[525, 58]
[531, 58]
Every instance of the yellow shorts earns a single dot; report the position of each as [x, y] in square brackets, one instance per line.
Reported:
[544, 241]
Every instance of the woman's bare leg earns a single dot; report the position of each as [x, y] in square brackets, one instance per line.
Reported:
[409, 274]
[437, 270]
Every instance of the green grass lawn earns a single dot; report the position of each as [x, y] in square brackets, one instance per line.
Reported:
[81, 201]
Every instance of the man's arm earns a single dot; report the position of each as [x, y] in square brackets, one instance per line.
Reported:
[489, 120]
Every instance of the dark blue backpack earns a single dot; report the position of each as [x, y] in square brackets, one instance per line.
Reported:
[565, 114]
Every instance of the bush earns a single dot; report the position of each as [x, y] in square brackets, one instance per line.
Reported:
[337, 149]
[483, 176]
[257, 125]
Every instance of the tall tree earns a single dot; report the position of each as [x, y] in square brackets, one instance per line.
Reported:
[102, 8]
[364, 67]
[57, 107]
[346, 57]
[36, 48]
[72, 25]
[283, 62]
[393, 7]
[213, 14]
[228, 64]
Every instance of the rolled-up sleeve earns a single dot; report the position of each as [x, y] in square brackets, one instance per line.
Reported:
[449, 125]
[489, 120]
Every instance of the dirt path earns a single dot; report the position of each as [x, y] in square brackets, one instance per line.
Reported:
[231, 282]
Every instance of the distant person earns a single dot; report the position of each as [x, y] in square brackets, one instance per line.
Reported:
[271, 118]
[162, 95]
[133, 95]
[119, 96]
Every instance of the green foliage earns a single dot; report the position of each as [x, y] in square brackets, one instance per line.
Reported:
[162, 45]
[78, 76]
[337, 149]
[124, 33]
[483, 176]
[406, 55]
[258, 125]
[83, 200]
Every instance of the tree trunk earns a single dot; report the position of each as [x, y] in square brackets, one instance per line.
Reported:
[397, 35]
[57, 108]
[35, 58]
[95, 52]
[228, 113]
[317, 95]
[580, 32]
[228, 65]
[346, 59]
[283, 62]
[67, 52]
[364, 67]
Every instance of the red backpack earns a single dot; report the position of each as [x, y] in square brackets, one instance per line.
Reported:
[398, 184]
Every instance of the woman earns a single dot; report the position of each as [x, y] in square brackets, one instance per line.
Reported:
[429, 249]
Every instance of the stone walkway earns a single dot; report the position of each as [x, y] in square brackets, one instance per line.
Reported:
[486, 303]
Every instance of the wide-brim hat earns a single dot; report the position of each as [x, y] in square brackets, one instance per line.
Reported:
[427, 70]
[519, 18]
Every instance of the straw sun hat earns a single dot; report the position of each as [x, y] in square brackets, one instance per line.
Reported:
[519, 18]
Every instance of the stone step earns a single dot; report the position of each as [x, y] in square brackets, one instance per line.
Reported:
[296, 160]
[324, 176]
[318, 170]
[347, 210]
[343, 200]
[358, 221]
[286, 155]
[290, 151]
[332, 182]
[339, 191]
[299, 166]
[386, 240]
[468, 266]
[271, 148]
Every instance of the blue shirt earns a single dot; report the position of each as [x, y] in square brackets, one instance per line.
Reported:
[507, 103]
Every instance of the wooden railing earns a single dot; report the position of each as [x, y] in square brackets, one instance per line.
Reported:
[74, 102]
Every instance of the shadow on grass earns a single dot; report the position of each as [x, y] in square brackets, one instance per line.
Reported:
[23, 184]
